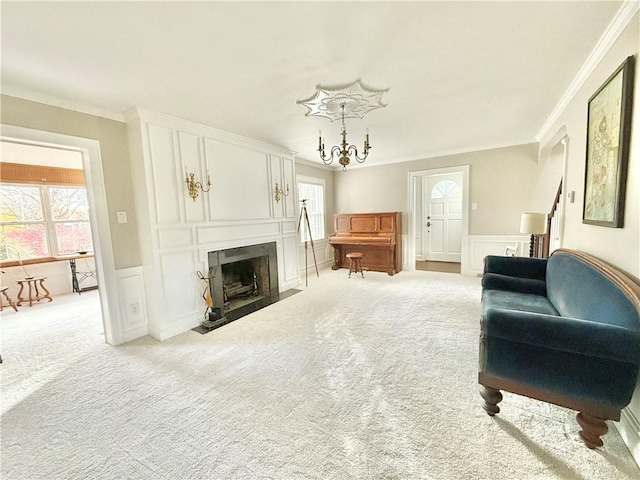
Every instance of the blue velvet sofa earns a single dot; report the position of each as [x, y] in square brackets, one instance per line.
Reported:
[564, 330]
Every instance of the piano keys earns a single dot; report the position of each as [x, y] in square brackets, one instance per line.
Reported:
[377, 235]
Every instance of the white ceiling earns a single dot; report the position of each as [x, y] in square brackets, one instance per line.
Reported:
[462, 76]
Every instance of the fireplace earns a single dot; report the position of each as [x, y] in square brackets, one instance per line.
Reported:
[242, 280]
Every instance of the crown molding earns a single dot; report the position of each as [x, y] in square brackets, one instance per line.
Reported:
[38, 97]
[210, 133]
[620, 21]
[318, 164]
[447, 153]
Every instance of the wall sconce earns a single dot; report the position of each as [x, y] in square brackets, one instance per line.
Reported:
[194, 186]
[280, 192]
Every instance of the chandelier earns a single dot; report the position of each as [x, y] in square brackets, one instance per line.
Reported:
[349, 101]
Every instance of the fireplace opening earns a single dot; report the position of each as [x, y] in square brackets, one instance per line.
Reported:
[244, 282]
[241, 281]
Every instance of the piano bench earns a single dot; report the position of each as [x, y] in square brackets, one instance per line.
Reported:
[355, 263]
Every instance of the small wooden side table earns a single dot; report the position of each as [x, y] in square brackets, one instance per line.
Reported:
[35, 295]
[3, 290]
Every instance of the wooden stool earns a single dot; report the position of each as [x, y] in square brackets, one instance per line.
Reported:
[33, 289]
[3, 290]
[355, 264]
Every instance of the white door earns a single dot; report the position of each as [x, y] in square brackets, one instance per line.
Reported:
[442, 217]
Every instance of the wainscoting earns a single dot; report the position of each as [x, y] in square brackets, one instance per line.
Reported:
[480, 246]
[132, 303]
[324, 256]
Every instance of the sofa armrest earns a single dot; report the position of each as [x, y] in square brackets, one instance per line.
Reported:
[497, 281]
[565, 334]
[521, 267]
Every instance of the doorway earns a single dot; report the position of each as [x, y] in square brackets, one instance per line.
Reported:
[438, 214]
[98, 213]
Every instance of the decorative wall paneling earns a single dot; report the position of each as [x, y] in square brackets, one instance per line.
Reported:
[482, 245]
[324, 255]
[131, 302]
[177, 233]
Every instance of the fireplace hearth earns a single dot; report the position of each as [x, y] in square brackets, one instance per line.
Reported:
[242, 280]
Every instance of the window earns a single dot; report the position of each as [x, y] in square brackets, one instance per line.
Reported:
[446, 188]
[41, 221]
[312, 190]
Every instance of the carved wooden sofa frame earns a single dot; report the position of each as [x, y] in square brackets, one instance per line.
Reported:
[564, 330]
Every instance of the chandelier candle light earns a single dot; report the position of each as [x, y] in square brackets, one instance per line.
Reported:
[350, 101]
[344, 151]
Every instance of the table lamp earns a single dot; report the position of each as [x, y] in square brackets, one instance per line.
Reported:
[534, 224]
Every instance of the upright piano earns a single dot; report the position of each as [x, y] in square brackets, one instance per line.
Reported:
[377, 235]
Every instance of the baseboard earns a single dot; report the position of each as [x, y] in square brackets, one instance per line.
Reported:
[629, 429]
[134, 333]
[181, 325]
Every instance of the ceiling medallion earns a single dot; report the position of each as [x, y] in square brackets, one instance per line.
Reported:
[349, 101]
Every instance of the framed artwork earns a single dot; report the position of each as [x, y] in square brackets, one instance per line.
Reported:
[608, 138]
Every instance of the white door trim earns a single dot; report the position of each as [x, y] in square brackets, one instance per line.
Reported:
[411, 240]
[98, 217]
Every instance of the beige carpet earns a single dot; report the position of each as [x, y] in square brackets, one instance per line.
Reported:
[370, 378]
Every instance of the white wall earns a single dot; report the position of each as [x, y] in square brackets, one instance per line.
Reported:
[619, 246]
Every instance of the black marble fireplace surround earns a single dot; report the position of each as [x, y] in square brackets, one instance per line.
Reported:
[242, 280]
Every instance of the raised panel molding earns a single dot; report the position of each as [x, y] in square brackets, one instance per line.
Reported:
[212, 234]
[289, 175]
[162, 165]
[175, 237]
[324, 256]
[482, 245]
[180, 284]
[289, 260]
[289, 227]
[191, 162]
[275, 170]
[132, 303]
[240, 182]
[178, 233]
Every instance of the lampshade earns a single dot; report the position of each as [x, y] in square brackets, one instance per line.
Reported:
[533, 223]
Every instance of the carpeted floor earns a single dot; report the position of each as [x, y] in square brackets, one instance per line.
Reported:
[370, 378]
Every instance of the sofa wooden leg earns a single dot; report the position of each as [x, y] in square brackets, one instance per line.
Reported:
[592, 429]
[491, 398]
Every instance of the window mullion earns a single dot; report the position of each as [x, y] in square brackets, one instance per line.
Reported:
[52, 241]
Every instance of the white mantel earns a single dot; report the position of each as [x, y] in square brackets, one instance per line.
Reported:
[176, 233]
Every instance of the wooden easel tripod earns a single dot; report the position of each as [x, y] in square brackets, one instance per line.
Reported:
[303, 211]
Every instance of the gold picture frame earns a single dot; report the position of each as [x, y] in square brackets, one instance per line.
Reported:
[607, 156]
